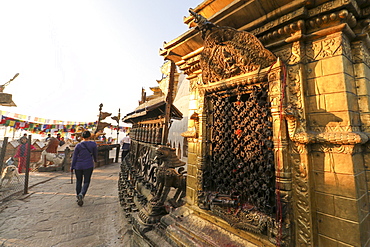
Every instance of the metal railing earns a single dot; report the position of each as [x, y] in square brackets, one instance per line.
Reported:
[14, 171]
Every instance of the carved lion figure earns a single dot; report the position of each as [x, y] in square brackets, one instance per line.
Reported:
[168, 177]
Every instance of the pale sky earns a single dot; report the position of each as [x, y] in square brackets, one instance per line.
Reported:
[72, 55]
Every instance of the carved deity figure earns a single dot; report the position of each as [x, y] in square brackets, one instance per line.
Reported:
[228, 52]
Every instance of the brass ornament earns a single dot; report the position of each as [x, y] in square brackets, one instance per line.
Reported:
[228, 52]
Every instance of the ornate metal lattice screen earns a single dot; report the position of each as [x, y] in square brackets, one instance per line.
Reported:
[241, 162]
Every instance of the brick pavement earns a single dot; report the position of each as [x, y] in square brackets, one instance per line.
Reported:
[50, 216]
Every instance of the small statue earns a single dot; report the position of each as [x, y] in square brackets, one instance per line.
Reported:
[168, 177]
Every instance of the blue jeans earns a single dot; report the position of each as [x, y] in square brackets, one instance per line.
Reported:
[85, 176]
[124, 153]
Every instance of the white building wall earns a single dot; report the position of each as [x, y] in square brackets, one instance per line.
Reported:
[181, 101]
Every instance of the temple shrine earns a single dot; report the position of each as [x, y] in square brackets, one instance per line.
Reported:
[277, 138]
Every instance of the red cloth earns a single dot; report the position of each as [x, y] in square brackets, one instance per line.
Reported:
[22, 156]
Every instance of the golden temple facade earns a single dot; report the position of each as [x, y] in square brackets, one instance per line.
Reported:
[293, 75]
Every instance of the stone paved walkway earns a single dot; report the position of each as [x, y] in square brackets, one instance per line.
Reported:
[50, 216]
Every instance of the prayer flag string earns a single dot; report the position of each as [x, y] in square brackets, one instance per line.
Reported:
[42, 125]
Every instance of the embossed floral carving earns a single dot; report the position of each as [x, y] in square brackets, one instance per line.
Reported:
[360, 54]
[328, 47]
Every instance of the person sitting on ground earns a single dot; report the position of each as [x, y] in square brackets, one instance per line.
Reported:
[48, 138]
[52, 146]
[61, 142]
[84, 156]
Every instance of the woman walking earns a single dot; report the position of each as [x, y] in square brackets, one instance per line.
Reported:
[84, 156]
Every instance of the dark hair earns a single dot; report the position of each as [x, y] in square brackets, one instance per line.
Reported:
[86, 134]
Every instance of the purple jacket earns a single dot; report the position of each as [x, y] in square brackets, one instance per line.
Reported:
[84, 155]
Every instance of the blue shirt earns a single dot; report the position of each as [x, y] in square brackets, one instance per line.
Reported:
[84, 155]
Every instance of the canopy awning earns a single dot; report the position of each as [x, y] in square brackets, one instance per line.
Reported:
[153, 109]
